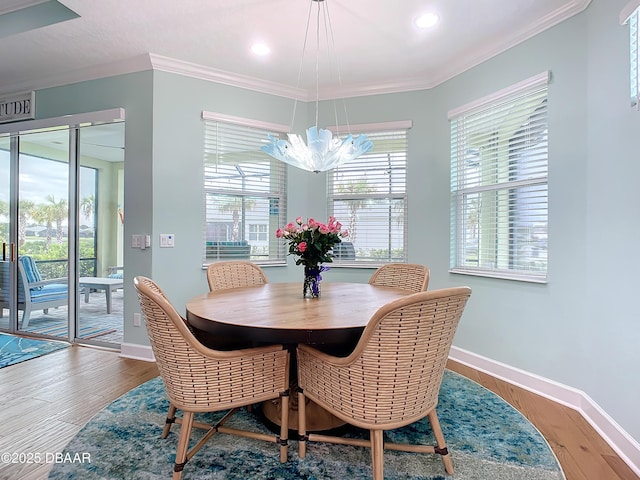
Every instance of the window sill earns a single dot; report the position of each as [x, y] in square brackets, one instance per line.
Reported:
[519, 277]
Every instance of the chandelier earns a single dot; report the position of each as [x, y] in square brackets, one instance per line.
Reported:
[322, 151]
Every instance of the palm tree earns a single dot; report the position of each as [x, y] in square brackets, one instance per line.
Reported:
[355, 189]
[59, 211]
[25, 211]
[87, 206]
[235, 206]
[4, 211]
[43, 214]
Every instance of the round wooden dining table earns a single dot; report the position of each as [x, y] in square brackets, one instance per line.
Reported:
[278, 313]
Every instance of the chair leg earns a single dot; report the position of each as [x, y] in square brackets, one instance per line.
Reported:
[171, 419]
[302, 425]
[183, 445]
[377, 454]
[440, 442]
[284, 426]
[25, 318]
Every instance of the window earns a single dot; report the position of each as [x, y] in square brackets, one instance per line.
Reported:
[631, 15]
[245, 192]
[499, 184]
[258, 232]
[368, 196]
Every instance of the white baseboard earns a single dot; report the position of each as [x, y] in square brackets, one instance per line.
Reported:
[624, 445]
[137, 352]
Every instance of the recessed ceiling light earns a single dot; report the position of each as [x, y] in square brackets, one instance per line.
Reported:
[427, 20]
[260, 49]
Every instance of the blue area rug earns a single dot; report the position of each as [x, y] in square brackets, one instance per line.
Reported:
[14, 349]
[487, 438]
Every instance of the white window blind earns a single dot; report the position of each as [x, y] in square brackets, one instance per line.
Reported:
[368, 196]
[631, 15]
[499, 193]
[245, 193]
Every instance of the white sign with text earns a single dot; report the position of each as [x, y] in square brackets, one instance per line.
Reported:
[18, 107]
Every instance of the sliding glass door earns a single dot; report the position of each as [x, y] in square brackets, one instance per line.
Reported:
[61, 205]
[100, 233]
[7, 267]
[43, 233]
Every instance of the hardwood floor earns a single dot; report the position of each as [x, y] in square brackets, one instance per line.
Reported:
[45, 401]
[582, 452]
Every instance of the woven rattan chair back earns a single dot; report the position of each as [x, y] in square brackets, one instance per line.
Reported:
[393, 376]
[407, 276]
[199, 379]
[234, 274]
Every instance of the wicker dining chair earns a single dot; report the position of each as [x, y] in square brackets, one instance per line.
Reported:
[408, 276]
[234, 274]
[391, 379]
[199, 379]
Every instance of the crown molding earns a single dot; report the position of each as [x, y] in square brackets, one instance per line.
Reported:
[477, 57]
[473, 59]
[172, 65]
[628, 10]
[152, 61]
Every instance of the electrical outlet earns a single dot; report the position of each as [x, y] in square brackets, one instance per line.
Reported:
[137, 320]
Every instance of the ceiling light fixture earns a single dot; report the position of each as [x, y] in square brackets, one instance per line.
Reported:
[260, 49]
[322, 151]
[427, 20]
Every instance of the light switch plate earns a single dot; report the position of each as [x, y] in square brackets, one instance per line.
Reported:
[136, 241]
[167, 240]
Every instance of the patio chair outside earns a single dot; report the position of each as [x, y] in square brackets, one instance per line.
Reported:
[34, 292]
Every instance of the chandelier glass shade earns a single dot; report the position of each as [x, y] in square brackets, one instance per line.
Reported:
[322, 151]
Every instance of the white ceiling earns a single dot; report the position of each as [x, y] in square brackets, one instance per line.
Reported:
[377, 47]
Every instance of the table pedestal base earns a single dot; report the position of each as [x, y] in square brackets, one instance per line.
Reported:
[318, 419]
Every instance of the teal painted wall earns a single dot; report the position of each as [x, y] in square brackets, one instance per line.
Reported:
[580, 329]
[610, 339]
[134, 93]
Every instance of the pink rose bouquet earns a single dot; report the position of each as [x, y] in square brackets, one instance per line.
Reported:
[312, 241]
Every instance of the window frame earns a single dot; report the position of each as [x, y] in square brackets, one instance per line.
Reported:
[505, 184]
[372, 130]
[277, 203]
[630, 15]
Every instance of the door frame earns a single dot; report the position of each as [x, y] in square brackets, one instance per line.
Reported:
[73, 123]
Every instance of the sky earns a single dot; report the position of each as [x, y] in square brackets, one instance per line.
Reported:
[40, 177]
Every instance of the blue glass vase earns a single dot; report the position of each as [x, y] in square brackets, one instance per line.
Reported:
[312, 278]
